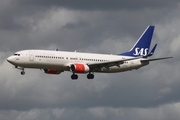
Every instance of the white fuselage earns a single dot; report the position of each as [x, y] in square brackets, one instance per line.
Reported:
[55, 62]
[60, 60]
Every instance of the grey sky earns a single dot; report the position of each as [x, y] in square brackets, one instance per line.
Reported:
[101, 27]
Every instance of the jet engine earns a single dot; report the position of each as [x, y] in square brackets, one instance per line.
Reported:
[79, 68]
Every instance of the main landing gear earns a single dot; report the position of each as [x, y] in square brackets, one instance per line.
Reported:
[90, 76]
[75, 76]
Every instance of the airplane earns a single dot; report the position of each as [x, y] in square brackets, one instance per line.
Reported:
[56, 62]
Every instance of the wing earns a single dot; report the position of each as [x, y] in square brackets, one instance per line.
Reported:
[108, 64]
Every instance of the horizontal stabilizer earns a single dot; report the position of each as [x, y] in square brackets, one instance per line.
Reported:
[154, 59]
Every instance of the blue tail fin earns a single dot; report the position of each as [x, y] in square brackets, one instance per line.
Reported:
[152, 51]
[141, 47]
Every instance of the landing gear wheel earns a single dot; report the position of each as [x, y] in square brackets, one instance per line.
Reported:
[22, 72]
[90, 76]
[74, 77]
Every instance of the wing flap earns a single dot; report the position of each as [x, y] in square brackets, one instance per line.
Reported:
[110, 63]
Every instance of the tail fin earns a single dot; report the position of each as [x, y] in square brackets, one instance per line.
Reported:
[152, 51]
[141, 47]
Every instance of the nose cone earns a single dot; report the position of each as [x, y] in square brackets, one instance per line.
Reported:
[10, 59]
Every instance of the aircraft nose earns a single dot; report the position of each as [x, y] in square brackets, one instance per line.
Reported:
[10, 59]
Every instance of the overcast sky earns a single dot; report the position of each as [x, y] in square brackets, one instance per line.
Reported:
[103, 26]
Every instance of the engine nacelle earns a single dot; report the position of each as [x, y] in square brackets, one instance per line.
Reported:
[52, 71]
[79, 68]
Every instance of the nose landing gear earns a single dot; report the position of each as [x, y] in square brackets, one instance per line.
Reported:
[22, 70]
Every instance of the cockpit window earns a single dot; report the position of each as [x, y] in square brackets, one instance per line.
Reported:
[17, 54]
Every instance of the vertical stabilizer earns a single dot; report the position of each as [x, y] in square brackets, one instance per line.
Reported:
[141, 47]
